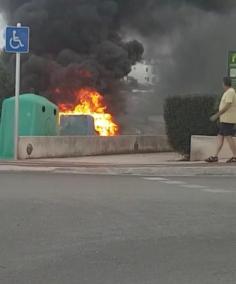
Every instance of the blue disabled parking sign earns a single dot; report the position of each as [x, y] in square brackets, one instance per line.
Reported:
[17, 39]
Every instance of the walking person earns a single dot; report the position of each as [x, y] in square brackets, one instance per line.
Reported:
[227, 117]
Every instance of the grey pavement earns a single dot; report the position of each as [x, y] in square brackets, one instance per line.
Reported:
[154, 164]
[57, 228]
[112, 160]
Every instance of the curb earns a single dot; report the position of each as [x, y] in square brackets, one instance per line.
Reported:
[128, 171]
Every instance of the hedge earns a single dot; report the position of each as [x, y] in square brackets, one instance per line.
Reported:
[186, 116]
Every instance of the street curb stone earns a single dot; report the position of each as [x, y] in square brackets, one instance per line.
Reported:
[130, 171]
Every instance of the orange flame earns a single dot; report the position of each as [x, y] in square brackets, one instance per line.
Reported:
[90, 102]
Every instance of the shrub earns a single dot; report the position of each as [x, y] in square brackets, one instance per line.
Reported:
[186, 116]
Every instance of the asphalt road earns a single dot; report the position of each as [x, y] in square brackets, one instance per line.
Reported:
[108, 230]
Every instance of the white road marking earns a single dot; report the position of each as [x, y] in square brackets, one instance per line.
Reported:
[187, 186]
[174, 182]
[155, 178]
[216, 190]
[194, 186]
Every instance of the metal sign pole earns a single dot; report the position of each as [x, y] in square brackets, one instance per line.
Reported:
[17, 93]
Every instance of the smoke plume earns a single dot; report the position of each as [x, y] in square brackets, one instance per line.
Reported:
[74, 43]
[189, 39]
[79, 43]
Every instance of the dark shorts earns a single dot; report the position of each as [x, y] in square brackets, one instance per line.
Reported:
[227, 129]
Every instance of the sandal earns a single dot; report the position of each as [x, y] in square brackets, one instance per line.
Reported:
[232, 160]
[212, 159]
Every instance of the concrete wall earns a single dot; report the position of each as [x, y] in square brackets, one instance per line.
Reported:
[204, 146]
[75, 146]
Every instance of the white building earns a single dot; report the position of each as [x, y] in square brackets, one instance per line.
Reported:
[143, 73]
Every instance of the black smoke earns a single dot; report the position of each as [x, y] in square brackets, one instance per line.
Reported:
[189, 40]
[74, 43]
[79, 42]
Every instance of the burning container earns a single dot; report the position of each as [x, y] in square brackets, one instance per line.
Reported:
[82, 125]
[89, 104]
[37, 117]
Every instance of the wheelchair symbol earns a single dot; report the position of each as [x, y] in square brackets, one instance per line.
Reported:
[15, 41]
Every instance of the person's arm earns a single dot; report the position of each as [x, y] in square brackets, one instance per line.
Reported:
[229, 101]
[219, 113]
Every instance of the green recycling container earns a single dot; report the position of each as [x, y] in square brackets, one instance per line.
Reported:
[37, 117]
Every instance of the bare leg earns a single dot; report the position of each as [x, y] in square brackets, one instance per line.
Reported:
[220, 143]
[232, 145]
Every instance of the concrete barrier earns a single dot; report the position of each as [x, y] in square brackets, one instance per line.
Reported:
[204, 146]
[76, 146]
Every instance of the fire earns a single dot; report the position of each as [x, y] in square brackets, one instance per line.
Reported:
[91, 102]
